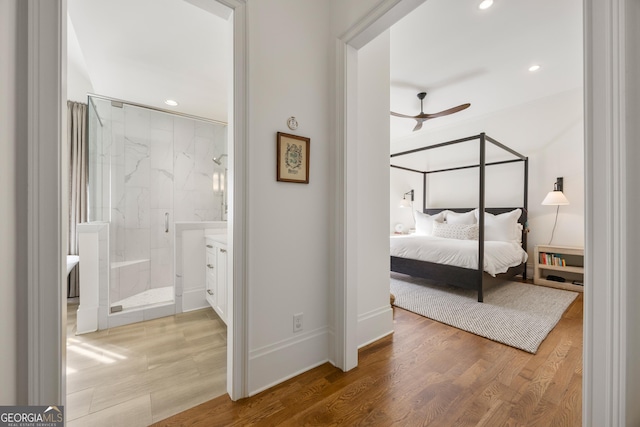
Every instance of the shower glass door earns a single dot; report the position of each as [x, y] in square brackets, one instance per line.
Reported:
[156, 168]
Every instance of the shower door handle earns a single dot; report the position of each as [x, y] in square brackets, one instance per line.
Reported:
[166, 222]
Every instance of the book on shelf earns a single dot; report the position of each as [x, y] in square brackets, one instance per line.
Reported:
[547, 258]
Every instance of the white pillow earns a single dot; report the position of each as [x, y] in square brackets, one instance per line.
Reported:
[424, 222]
[456, 231]
[518, 233]
[503, 227]
[467, 218]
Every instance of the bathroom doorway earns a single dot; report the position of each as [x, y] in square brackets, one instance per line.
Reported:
[143, 263]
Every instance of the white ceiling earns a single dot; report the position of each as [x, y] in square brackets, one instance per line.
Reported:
[458, 53]
[146, 51]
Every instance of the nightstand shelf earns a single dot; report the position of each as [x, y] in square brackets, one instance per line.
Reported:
[572, 271]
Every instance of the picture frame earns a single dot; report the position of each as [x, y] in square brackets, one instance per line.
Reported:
[292, 158]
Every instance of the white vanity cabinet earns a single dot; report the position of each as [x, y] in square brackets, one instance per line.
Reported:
[216, 277]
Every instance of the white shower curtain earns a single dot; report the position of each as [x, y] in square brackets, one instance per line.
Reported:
[78, 173]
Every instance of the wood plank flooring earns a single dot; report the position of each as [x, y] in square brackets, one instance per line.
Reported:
[428, 374]
[136, 374]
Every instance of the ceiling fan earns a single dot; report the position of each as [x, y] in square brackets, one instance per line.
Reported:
[422, 117]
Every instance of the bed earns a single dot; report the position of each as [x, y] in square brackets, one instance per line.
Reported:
[479, 251]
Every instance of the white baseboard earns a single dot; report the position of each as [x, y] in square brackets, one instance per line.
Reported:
[374, 325]
[273, 364]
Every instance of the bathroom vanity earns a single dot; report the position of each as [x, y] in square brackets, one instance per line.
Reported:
[216, 276]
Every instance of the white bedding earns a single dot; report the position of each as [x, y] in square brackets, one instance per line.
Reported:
[498, 256]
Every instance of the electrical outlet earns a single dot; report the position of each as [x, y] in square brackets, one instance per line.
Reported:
[297, 322]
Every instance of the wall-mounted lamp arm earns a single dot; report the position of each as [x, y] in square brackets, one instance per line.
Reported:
[407, 203]
[409, 193]
[558, 186]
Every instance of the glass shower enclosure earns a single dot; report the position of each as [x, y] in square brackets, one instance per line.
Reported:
[149, 169]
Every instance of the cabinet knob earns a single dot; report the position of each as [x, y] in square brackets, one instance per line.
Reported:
[210, 246]
[224, 251]
[209, 265]
[209, 291]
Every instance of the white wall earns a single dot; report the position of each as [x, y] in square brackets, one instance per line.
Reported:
[549, 131]
[288, 246]
[345, 13]
[78, 81]
[375, 318]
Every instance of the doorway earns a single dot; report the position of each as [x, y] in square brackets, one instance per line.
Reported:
[135, 129]
[47, 24]
[604, 41]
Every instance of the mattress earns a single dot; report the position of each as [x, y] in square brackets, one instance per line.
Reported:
[498, 256]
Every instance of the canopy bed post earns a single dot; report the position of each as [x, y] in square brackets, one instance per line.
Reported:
[481, 216]
[526, 183]
[424, 191]
[525, 205]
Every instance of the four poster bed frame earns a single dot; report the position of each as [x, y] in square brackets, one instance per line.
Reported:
[459, 276]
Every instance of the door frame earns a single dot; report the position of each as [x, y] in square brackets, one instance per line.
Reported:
[345, 155]
[47, 210]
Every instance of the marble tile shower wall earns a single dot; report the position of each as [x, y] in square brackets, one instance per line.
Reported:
[161, 167]
[99, 161]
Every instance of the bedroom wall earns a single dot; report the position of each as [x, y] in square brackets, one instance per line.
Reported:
[375, 317]
[549, 131]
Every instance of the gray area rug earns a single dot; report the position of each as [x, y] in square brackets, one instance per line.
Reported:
[515, 314]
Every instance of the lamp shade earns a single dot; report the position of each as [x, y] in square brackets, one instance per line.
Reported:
[405, 203]
[555, 198]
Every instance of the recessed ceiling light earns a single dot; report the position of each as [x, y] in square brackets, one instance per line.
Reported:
[485, 4]
[534, 67]
[171, 102]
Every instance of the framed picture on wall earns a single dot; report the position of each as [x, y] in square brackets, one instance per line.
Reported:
[292, 158]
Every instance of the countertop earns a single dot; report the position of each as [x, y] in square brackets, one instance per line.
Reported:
[220, 238]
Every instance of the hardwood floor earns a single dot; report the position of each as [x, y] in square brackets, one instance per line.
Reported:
[426, 373]
[136, 374]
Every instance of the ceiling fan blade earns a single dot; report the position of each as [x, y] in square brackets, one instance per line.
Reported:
[402, 115]
[422, 117]
[447, 112]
